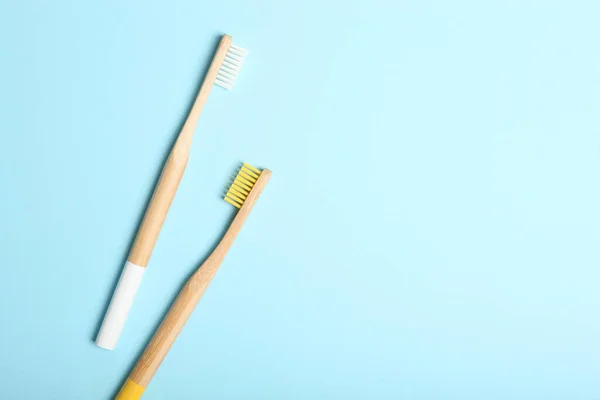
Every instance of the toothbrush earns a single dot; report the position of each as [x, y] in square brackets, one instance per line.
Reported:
[242, 194]
[223, 71]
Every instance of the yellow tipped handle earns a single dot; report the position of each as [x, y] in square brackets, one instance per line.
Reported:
[130, 391]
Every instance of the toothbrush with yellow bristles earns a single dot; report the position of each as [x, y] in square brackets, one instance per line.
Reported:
[243, 193]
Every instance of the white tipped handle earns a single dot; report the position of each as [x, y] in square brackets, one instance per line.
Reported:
[119, 306]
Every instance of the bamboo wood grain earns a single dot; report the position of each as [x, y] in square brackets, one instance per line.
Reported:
[191, 293]
[174, 167]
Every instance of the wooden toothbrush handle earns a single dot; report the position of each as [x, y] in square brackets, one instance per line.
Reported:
[157, 210]
[172, 325]
[174, 167]
[166, 334]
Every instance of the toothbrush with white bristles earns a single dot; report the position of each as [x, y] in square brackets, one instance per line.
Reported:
[223, 71]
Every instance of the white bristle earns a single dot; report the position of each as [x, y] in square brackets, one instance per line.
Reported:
[231, 66]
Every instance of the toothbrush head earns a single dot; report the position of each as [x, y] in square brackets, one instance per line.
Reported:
[242, 185]
[231, 66]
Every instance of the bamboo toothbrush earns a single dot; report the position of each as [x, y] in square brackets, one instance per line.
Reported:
[223, 71]
[243, 193]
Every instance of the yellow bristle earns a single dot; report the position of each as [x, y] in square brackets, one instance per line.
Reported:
[247, 176]
[251, 168]
[233, 203]
[238, 192]
[244, 181]
[242, 185]
[235, 197]
[249, 172]
[233, 189]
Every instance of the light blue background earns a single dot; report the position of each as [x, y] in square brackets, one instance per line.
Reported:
[430, 232]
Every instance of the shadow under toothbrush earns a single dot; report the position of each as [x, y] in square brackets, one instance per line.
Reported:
[119, 270]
